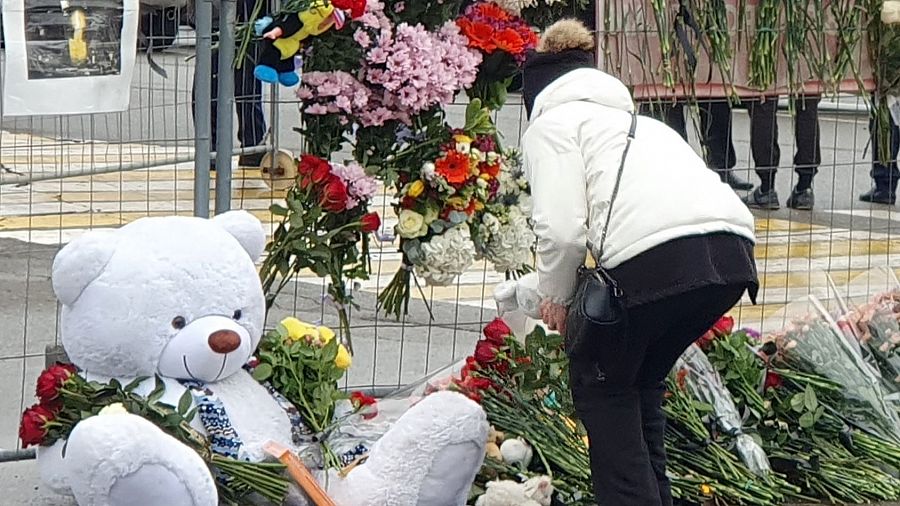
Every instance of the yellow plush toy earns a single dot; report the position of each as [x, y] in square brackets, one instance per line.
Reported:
[282, 38]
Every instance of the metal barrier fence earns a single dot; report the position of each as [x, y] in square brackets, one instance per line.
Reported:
[63, 175]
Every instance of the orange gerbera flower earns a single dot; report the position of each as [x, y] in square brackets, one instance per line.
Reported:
[480, 35]
[492, 10]
[510, 41]
[454, 167]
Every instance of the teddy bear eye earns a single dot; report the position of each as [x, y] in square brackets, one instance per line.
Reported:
[237, 315]
[178, 322]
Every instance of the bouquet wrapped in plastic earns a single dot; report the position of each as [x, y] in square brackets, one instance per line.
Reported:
[706, 385]
[815, 344]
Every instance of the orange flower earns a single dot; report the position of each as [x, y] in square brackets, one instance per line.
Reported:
[480, 35]
[491, 169]
[454, 167]
[510, 41]
[492, 10]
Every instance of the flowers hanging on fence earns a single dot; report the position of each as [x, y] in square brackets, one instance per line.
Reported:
[438, 210]
[504, 39]
[402, 71]
[325, 228]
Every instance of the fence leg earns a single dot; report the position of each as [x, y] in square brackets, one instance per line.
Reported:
[203, 99]
[225, 113]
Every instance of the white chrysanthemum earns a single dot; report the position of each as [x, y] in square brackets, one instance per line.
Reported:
[446, 256]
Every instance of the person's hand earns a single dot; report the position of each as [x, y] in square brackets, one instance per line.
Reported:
[275, 33]
[554, 316]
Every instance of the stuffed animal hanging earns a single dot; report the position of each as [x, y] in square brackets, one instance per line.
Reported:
[282, 37]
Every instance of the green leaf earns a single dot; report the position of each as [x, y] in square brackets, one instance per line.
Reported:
[135, 383]
[278, 210]
[807, 420]
[189, 416]
[797, 403]
[185, 402]
[262, 372]
[809, 399]
[157, 392]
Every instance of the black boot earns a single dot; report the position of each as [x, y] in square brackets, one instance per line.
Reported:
[759, 199]
[802, 200]
[731, 179]
[879, 196]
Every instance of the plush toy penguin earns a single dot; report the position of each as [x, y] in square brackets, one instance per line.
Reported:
[282, 38]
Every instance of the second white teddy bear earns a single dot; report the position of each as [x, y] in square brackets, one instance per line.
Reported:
[537, 491]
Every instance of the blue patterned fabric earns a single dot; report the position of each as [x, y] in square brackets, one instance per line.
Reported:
[223, 439]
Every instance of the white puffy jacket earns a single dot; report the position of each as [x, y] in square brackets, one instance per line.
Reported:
[572, 150]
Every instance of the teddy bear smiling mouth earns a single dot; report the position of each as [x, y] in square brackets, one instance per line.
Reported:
[188, 369]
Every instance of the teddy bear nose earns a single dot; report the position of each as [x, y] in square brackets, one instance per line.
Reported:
[224, 341]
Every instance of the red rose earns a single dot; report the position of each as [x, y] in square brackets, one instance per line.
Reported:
[497, 331]
[370, 222]
[334, 195]
[724, 326]
[681, 379]
[51, 380]
[315, 169]
[486, 352]
[365, 403]
[773, 380]
[33, 429]
[706, 340]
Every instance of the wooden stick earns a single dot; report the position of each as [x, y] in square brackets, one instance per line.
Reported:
[300, 473]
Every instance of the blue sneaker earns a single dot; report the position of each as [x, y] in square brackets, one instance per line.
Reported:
[288, 79]
[265, 74]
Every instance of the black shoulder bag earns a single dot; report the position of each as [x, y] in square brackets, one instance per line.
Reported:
[598, 310]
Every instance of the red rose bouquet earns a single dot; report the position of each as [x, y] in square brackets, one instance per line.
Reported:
[325, 229]
[504, 39]
[66, 398]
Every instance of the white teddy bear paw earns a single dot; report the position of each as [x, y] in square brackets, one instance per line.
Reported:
[117, 458]
[429, 457]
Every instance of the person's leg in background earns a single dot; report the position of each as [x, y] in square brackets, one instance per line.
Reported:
[715, 133]
[766, 152]
[808, 155]
[885, 173]
[251, 123]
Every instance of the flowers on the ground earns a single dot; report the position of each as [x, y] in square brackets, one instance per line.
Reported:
[35, 425]
[52, 380]
[364, 404]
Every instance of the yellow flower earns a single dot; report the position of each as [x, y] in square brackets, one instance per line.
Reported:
[462, 139]
[416, 188]
[343, 359]
[706, 489]
[479, 205]
[457, 203]
[325, 334]
[570, 423]
[295, 328]
[485, 176]
[114, 409]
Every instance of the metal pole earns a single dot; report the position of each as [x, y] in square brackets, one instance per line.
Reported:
[203, 99]
[224, 118]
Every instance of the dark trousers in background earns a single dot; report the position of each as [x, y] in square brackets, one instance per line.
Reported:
[716, 134]
[885, 173]
[251, 124]
[623, 415]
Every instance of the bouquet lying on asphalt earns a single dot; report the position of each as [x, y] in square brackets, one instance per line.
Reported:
[66, 398]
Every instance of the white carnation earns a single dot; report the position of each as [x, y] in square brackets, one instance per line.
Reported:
[446, 256]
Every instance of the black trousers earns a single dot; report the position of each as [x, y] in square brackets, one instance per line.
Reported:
[716, 133]
[251, 124]
[623, 413]
[885, 173]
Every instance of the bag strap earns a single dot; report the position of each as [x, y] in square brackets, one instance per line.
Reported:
[615, 190]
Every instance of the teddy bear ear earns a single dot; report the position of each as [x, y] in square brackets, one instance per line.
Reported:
[247, 229]
[80, 262]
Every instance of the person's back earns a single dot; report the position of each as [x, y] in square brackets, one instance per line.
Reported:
[578, 129]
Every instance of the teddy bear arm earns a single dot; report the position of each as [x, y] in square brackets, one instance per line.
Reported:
[125, 459]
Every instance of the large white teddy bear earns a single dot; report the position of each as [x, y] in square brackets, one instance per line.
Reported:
[180, 297]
